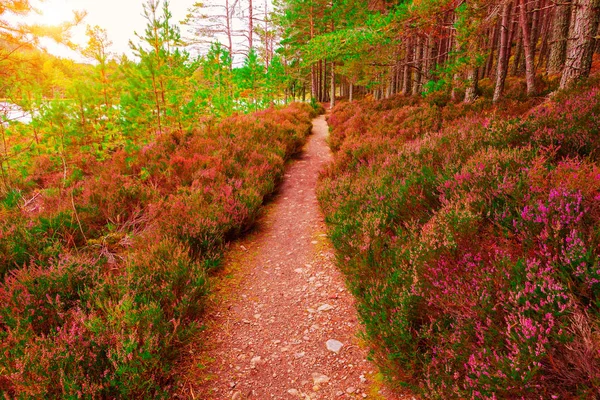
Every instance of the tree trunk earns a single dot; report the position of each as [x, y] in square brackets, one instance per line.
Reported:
[407, 81]
[313, 68]
[418, 64]
[558, 37]
[503, 51]
[454, 92]
[267, 47]
[528, 49]
[319, 82]
[493, 40]
[324, 84]
[313, 82]
[535, 22]
[472, 81]
[581, 47]
[332, 94]
[517, 62]
[545, 28]
[228, 28]
[399, 76]
[431, 57]
[250, 24]
[156, 102]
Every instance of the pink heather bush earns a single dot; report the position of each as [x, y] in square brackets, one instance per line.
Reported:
[469, 236]
[104, 276]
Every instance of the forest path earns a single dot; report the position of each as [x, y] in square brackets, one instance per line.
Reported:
[279, 300]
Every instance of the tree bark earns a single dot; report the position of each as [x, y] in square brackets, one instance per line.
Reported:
[228, 28]
[313, 69]
[418, 64]
[581, 46]
[503, 51]
[558, 37]
[407, 81]
[431, 58]
[528, 49]
[493, 40]
[332, 94]
[517, 61]
[545, 20]
[472, 82]
[250, 24]
[535, 22]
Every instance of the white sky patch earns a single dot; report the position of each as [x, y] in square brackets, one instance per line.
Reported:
[120, 18]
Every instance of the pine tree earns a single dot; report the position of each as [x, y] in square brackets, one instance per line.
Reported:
[251, 78]
[160, 76]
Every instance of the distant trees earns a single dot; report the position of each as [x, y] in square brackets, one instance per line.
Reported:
[392, 47]
[214, 89]
[211, 20]
[251, 78]
[117, 102]
[239, 25]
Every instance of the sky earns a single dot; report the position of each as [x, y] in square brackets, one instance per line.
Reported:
[121, 18]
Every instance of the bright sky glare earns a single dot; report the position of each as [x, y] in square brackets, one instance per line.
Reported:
[120, 18]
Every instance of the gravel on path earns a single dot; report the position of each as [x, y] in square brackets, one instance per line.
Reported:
[283, 325]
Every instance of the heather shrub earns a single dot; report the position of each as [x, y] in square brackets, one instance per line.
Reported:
[469, 237]
[104, 264]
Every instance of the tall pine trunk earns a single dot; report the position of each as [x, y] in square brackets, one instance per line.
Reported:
[418, 63]
[350, 90]
[546, 20]
[503, 51]
[558, 37]
[250, 25]
[407, 81]
[528, 49]
[472, 83]
[228, 28]
[332, 89]
[581, 46]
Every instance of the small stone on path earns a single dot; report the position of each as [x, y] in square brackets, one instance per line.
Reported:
[334, 345]
[319, 378]
[255, 360]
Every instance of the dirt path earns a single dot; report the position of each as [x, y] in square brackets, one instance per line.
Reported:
[281, 301]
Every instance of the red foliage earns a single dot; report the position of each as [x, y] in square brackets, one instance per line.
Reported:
[105, 269]
[469, 235]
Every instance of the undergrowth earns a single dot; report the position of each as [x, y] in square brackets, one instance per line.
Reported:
[469, 235]
[104, 268]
